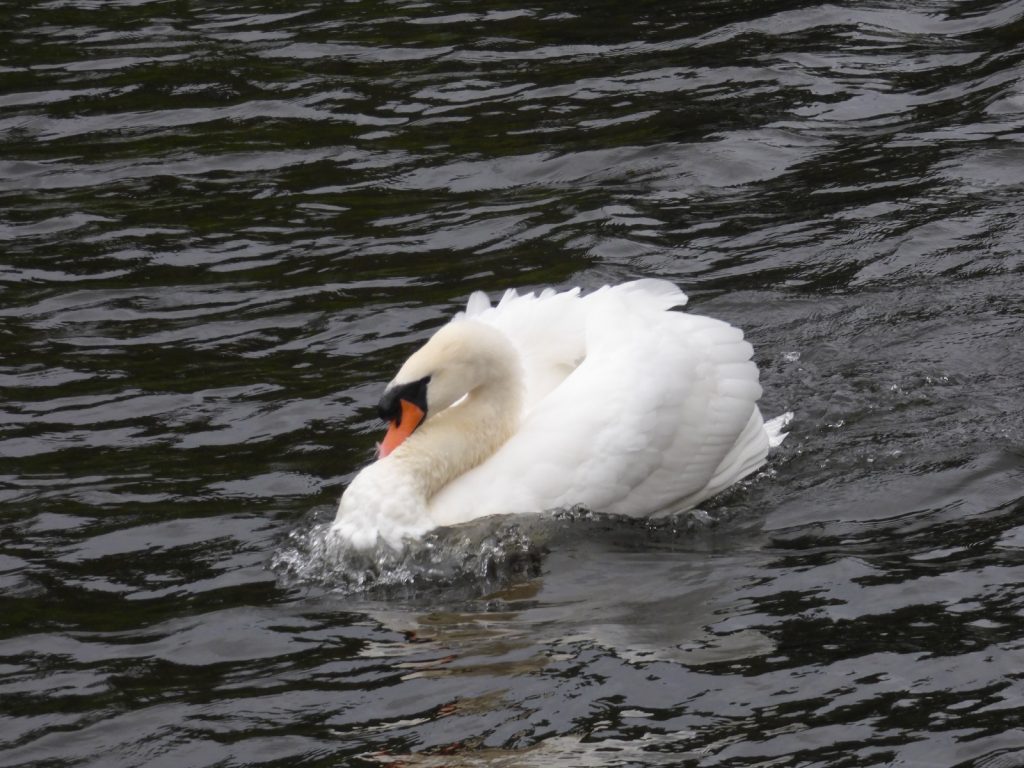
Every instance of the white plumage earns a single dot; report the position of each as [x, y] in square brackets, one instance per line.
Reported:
[609, 401]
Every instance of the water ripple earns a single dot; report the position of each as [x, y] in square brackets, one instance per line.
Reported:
[225, 227]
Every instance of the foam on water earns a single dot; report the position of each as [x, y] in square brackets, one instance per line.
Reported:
[477, 556]
[485, 552]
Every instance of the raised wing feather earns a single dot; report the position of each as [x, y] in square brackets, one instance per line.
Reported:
[546, 330]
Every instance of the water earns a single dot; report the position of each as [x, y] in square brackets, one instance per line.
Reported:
[224, 226]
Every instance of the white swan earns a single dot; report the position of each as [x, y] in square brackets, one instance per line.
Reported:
[609, 401]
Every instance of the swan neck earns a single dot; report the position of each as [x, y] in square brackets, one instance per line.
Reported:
[463, 435]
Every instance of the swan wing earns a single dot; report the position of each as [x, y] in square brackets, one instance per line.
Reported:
[657, 409]
[549, 329]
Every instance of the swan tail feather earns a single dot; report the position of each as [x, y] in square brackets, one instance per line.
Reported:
[774, 428]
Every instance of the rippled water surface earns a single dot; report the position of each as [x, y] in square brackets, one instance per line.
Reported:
[223, 226]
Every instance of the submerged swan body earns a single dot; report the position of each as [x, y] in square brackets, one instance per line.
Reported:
[608, 400]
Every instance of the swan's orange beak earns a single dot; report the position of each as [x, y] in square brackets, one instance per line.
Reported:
[399, 429]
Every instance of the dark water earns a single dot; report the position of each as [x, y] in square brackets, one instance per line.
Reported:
[224, 225]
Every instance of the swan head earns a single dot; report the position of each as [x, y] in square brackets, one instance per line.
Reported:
[460, 358]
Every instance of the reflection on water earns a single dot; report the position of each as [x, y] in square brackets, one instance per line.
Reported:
[222, 229]
[477, 557]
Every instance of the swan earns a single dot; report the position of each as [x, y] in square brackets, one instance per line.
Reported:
[607, 400]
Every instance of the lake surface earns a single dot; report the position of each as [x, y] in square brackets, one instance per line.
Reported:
[223, 226]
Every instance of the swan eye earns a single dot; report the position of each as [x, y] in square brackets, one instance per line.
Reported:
[390, 406]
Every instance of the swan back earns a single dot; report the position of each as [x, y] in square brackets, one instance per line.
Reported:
[659, 412]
